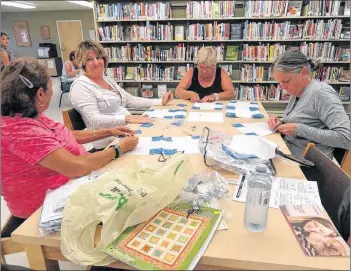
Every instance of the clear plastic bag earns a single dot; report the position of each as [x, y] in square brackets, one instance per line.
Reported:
[214, 146]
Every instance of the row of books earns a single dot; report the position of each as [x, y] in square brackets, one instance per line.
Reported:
[254, 73]
[261, 93]
[215, 31]
[148, 72]
[311, 29]
[210, 9]
[332, 74]
[324, 51]
[278, 8]
[136, 32]
[123, 11]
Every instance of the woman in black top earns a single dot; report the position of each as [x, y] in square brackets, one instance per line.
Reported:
[206, 82]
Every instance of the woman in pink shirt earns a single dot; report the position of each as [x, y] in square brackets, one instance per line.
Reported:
[38, 153]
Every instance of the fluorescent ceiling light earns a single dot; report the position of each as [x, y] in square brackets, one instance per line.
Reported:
[17, 4]
[82, 3]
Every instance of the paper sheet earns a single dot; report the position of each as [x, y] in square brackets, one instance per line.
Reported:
[184, 143]
[243, 109]
[165, 114]
[285, 192]
[205, 117]
[255, 145]
[259, 128]
[208, 106]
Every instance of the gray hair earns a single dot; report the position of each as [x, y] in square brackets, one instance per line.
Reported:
[20, 81]
[294, 61]
[206, 55]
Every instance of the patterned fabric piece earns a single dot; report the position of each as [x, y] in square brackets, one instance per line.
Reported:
[257, 116]
[146, 125]
[237, 125]
[181, 105]
[138, 132]
[254, 134]
[156, 151]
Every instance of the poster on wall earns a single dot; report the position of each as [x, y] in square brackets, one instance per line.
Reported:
[22, 34]
[45, 32]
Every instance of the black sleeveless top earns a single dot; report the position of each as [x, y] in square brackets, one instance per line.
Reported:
[215, 88]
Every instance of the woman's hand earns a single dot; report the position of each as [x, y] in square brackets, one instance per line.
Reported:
[138, 119]
[128, 143]
[287, 129]
[208, 98]
[274, 122]
[121, 131]
[167, 97]
[194, 97]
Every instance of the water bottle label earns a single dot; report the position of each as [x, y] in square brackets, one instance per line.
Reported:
[260, 198]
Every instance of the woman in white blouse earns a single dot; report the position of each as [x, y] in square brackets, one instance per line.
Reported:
[99, 99]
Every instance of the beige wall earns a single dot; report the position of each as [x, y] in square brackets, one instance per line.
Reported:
[35, 20]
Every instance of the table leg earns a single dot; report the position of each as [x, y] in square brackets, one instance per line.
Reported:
[37, 261]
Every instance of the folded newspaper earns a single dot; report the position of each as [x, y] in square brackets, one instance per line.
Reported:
[52, 211]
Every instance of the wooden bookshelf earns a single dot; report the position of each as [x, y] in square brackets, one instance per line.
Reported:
[178, 18]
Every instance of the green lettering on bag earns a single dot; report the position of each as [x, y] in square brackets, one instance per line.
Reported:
[177, 168]
[121, 200]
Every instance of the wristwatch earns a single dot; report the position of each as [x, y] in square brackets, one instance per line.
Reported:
[216, 96]
[117, 149]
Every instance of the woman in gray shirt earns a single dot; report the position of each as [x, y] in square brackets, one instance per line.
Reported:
[314, 113]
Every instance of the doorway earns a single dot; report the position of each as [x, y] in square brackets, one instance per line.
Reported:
[70, 35]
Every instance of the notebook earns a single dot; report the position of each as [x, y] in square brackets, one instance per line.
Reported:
[169, 240]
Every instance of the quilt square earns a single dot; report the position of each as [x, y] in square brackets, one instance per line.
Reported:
[135, 243]
[157, 221]
[143, 235]
[160, 232]
[194, 223]
[176, 248]
[150, 228]
[173, 218]
[177, 228]
[183, 239]
[183, 220]
[154, 240]
[146, 248]
[169, 258]
[164, 244]
[188, 231]
[157, 253]
[163, 215]
[167, 225]
[171, 236]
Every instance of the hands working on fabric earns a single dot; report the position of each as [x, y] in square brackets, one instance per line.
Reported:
[274, 123]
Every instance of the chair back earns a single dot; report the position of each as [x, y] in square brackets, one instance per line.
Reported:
[345, 163]
[73, 120]
[332, 180]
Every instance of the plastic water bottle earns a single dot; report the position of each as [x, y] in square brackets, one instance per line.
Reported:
[259, 186]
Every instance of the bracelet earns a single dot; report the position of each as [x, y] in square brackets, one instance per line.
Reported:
[94, 136]
[117, 149]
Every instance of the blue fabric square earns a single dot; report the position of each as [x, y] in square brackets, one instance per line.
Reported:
[253, 102]
[138, 132]
[231, 107]
[181, 105]
[173, 110]
[146, 125]
[257, 116]
[179, 117]
[150, 110]
[157, 138]
[238, 125]
[195, 137]
[176, 124]
[230, 115]
[168, 139]
[253, 109]
[218, 108]
[168, 117]
[156, 151]
[195, 107]
[169, 151]
[251, 134]
[233, 101]
[219, 103]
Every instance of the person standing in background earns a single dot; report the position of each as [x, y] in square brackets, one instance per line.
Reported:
[5, 54]
[70, 71]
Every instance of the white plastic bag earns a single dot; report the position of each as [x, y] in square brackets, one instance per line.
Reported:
[119, 199]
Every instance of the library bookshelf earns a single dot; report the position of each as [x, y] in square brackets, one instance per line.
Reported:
[178, 15]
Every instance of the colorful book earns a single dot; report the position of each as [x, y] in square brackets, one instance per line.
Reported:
[314, 231]
[169, 240]
[345, 94]
[294, 8]
[232, 52]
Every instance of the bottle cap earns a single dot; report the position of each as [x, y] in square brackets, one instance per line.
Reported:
[261, 168]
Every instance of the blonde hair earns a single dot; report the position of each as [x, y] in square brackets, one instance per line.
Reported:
[206, 55]
[82, 52]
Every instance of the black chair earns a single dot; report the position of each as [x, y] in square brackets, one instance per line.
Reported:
[331, 179]
[63, 91]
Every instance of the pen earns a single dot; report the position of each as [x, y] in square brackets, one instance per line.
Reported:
[240, 186]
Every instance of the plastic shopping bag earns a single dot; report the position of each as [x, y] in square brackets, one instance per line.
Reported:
[119, 199]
